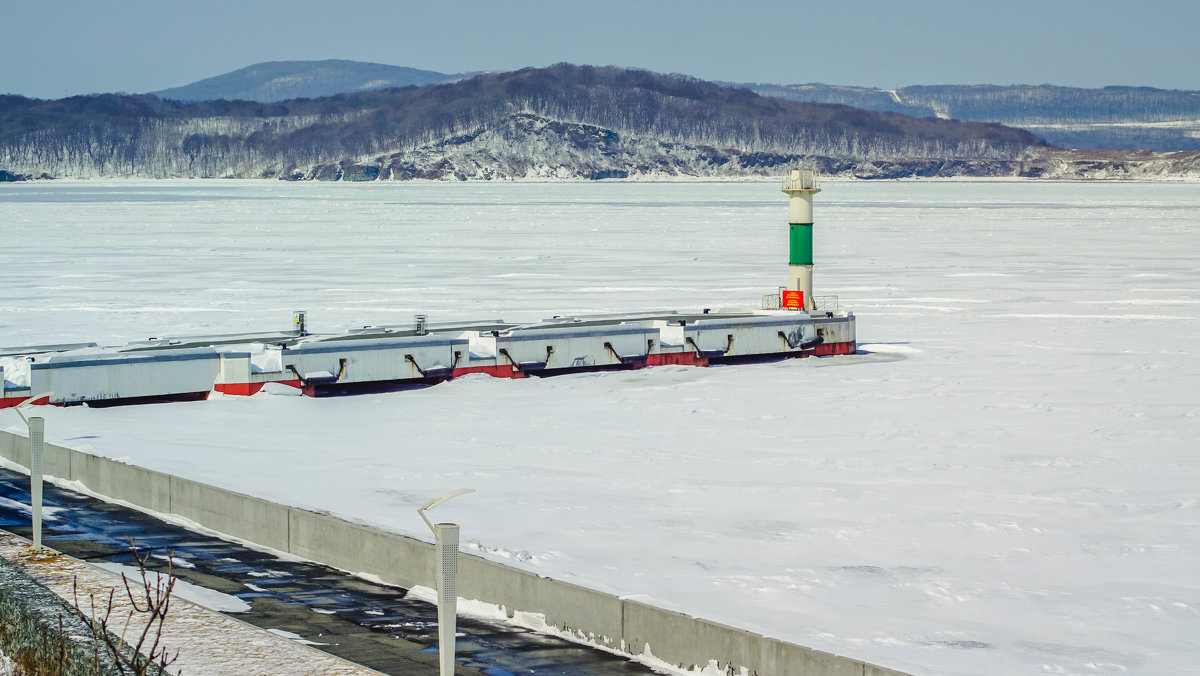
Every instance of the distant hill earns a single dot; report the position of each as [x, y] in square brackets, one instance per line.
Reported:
[559, 122]
[281, 80]
[1135, 118]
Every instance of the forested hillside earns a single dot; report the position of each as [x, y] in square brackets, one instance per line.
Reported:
[564, 121]
[1133, 118]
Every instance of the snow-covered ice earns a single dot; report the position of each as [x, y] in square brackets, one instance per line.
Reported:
[1005, 480]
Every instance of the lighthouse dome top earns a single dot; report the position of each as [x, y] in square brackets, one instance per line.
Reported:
[801, 180]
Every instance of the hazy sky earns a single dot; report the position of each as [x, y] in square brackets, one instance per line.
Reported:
[65, 47]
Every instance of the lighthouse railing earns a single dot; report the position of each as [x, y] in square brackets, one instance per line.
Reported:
[826, 303]
[801, 179]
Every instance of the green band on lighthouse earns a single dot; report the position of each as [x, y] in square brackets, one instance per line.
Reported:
[800, 244]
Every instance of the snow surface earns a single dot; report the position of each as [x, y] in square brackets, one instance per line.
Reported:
[201, 596]
[292, 636]
[1004, 480]
[48, 513]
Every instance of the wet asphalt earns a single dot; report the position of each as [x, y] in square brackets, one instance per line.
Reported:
[370, 624]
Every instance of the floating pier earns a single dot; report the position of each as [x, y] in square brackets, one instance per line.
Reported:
[393, 358]
[792, 323]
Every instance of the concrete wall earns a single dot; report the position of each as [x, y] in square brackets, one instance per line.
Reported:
[358, 548]
[676, 638]
[142, 487]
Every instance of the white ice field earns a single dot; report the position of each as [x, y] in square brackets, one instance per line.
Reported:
[1006, 480]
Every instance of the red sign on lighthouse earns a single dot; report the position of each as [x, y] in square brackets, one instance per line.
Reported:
[793, 299]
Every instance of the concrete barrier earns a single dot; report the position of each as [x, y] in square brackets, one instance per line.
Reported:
[242, 516]
[585, 612]
[56, 459]
[143, 487]
[359, 548]
[15, 448]
[676, 638]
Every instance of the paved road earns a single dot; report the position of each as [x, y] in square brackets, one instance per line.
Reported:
[373, 625]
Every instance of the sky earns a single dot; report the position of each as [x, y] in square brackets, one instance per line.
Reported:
[56, 49]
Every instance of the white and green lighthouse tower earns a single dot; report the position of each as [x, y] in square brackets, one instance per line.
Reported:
[800, 187]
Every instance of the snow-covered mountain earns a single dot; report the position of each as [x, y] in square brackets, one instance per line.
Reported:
[1132, 118]
[281, 80]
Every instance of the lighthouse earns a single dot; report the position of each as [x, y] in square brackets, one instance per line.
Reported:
[800, 186]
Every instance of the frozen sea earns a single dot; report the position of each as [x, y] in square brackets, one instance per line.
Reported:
[1005, 480]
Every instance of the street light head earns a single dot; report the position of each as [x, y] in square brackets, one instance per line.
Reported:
[439, 500]
[446, 496]
[28, 402]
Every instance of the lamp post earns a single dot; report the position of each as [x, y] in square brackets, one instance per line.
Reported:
[37, 445]
[446, 574]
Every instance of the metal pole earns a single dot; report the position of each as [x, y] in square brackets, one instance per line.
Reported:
[446, 572]
[37, 443]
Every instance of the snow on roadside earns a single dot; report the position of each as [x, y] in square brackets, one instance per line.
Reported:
[201, 596]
